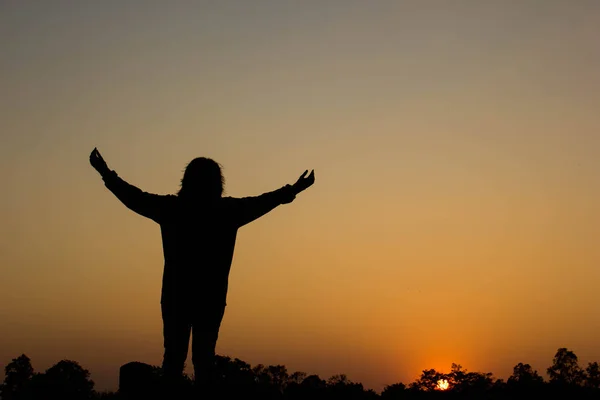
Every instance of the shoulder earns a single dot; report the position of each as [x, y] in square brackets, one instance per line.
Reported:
[229, 202]
[168, 198]
[167, 201]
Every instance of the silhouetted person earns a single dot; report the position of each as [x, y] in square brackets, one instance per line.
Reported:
[198, 227]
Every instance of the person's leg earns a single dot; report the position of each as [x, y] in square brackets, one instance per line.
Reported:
[176, 334]
[205, 332]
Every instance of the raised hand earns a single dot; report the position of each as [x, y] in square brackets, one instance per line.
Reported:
[98, 162]
[304, 182]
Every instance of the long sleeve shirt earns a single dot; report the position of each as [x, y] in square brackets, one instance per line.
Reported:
[198, 236]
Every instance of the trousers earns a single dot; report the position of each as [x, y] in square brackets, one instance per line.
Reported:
[202, 321]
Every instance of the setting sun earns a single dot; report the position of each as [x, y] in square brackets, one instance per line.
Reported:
[442, 384]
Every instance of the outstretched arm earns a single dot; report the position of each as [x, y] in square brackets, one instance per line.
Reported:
[143, 203]
[248, 209]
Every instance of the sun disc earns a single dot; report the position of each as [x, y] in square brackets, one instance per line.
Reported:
[443, 384]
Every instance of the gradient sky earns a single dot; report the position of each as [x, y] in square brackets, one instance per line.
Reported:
[454, 216]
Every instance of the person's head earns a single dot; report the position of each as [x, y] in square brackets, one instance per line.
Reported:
[202, 178]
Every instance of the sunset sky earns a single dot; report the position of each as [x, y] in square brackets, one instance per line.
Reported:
[454, 216]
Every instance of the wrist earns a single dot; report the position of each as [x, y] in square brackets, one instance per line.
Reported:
[291, 189]
[106, 172]
[288, 194]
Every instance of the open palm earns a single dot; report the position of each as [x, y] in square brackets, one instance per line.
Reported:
[304, 182]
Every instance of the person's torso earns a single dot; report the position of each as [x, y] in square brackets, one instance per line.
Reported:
[198, 246]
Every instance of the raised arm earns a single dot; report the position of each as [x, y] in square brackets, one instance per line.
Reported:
[143, 203]
[248, 209]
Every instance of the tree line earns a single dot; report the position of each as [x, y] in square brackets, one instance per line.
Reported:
[67, 380]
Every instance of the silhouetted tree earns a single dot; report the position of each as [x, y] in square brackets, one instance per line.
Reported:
[260, 373]
[227, 369]
[234, 378]
[271, 380]
[499, 385]
[565, 369]
[524, 376]
[312, 387]
[428, 381]
[479, 381]
[337, 380]
[461, 380]
[297, 377]
[456, 376]
[293, 388]
[66, 380]
[340, 387]
[279, 376]
[592, 379]
[18, 375]
[395, 391]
